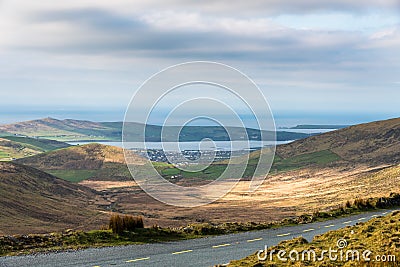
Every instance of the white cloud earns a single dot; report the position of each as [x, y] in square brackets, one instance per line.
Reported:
[112, 46]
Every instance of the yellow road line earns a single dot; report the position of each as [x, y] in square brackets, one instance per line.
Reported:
[283, 235]
[139, 259]
[181, 252]
[220, 246]
[308, 230]
[253, 240]
[329, 226]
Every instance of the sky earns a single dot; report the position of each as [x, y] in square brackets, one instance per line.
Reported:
[332, 61]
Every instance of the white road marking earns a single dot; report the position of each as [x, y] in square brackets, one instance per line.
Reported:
[253, 240]
[347, 222]
[181, 252]
[329, 226]
[308, 230]
[139, 259]
[222, 245]
[283, 235]
[361, 219]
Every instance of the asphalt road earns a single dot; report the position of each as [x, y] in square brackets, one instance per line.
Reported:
[196, 252]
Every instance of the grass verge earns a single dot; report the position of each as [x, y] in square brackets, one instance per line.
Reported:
[373, 243]
[24, 244]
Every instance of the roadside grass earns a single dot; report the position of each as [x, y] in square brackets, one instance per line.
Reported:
[74, 176]
[72, 240]
[380, 235]
[69, 239]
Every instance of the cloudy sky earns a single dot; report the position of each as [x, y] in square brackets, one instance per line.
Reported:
[315, 61]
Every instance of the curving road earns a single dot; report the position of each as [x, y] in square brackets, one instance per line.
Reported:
[196, 252]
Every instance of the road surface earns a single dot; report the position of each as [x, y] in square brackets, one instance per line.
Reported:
[207, 251]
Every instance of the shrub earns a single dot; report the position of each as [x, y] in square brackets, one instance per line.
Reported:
[119, 224]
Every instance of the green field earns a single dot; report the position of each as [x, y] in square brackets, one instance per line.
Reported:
[3, 134]
[110, 171]
[39, 144]
[215, 170]
[4, 155]
[74, 176]
[317, 158]
[119, 172]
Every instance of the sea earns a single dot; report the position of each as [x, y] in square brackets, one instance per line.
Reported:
[215, 145]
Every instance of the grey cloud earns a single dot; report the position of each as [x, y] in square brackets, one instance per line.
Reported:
[276, 7]
[101, 31]
[88, 17]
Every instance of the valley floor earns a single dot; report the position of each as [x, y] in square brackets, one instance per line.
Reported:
[280, 196]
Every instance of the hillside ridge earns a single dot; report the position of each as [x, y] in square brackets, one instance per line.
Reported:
[34, 201]
[372, 143]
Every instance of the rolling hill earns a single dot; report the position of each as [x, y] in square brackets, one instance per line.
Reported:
[13, 147]
[309, 175]
[77, 163]
[370, 143]
[65, 130]
[79, 130]
[33, 201]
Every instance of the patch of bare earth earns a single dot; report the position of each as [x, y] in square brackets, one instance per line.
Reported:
[105, 185]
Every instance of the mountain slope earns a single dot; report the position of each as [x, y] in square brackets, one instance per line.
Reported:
[34, 201]
[77, 163]
[371, 143]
